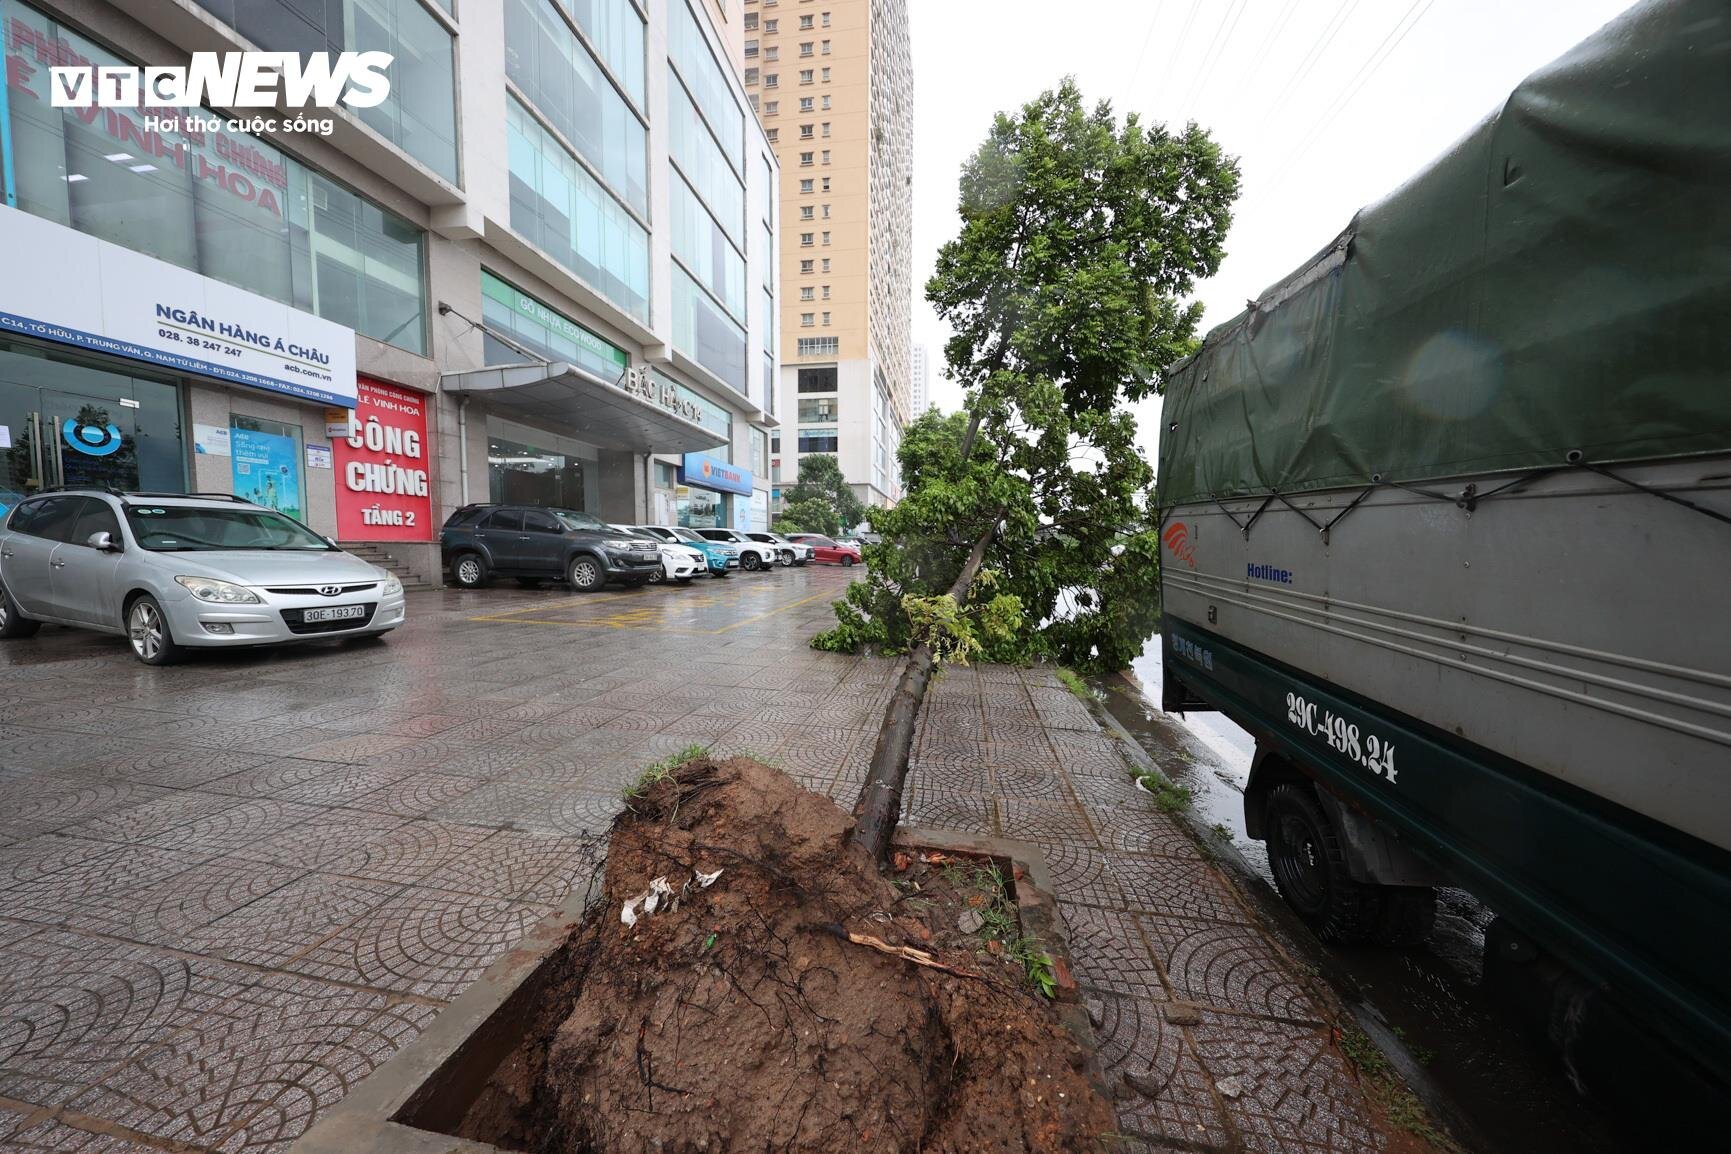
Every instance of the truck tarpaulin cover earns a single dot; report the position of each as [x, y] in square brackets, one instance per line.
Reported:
[1559, 281]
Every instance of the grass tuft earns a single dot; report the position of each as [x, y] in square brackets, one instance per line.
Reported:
[1169, 797]
[1072, 681]
[660, 770]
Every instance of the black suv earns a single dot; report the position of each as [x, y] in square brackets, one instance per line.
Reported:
[534, 544]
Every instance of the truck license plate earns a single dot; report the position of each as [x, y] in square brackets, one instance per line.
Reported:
[334, 613]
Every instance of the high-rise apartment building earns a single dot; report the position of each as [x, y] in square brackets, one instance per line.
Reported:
[832, 81]
[541, 271]
[922, 381]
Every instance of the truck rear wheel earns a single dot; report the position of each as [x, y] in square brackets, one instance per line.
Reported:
[1310, 869]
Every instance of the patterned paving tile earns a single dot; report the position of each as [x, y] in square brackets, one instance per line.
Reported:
[1144, 829]
[170, 912]
[164, 812]
[1044, 822]
[424, 941]
[317, 843]
[62, 1137]
[1158, 1087]
[63, 802]
[1298, 1094]
[26, 861]
[1181, 887]
[254, 1070]
[73, 1007]
[413, 794]
[408, 852]
[1228, 966]
[1109, 953]
[95, 893]
[239, 828]
[273, 929]
[933, 808]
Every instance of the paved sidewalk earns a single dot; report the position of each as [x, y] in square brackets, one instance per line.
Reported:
[231, 889]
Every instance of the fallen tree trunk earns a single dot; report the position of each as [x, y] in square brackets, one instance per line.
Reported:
[880, 800]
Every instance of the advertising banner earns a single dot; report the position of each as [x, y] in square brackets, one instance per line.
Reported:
[384, 491]
[113, 300]
[267, 471]
[714, 473]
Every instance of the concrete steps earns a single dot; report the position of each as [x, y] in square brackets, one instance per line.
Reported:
[380, 555]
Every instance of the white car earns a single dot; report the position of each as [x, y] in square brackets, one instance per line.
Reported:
[678, 562]
[792, 552]
[752, 554]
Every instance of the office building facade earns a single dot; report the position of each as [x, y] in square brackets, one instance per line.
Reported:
[831, 81]
[542, 270]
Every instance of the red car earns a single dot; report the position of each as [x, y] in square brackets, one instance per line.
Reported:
[826, 549]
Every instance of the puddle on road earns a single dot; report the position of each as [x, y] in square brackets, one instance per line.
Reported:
[1509, 1092]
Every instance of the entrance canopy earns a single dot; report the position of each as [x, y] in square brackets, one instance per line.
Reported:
[603, 414]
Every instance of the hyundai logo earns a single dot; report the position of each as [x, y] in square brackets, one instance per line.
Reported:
[329, 590]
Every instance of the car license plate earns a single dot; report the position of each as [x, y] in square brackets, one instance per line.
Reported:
[334, 613]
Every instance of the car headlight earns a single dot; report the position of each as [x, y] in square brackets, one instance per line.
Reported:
[393, 586]
[618, 543]
[217, 592]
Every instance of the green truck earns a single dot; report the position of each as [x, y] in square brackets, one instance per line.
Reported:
[1446, 518]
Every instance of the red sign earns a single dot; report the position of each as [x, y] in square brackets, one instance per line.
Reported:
[384, 491]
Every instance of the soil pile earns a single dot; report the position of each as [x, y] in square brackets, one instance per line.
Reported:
[739, 1015]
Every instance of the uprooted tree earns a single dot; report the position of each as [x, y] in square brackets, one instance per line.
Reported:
[1079, 235]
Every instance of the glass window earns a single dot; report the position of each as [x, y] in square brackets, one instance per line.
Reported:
[193, 528]
[420, 114]
[706, 80]
[559, 207]
[96, 517]
[542, 330]
[705, 251]
[705, 333]
[817, 380]
[537, 522]
[701, 161]
[224, 205]
[519, 474]
[615, 27]
[818, 409]
[819, 346]
[555, 71]
[55, 518]
[509, 520]
[818, 440]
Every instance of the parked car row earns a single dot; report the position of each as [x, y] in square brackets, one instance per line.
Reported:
[534, 544]
[177, 571]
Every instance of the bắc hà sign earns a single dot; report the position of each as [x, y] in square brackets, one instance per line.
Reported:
[110, 299]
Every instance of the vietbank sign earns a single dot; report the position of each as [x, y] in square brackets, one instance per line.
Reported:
[714, 473]
[109, 299]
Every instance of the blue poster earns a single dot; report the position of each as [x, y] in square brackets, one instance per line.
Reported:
[267, 470]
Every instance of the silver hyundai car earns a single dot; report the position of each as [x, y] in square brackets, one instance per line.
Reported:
[174, 571]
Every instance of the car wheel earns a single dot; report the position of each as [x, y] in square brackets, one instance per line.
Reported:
[847, 562]
[584, 574]
[469, 571]
[658, 577]
[750, 561]
[147, 631]
[1310, 868]
[12, 622]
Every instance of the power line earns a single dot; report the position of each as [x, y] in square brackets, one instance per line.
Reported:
[1143, 55]
[1268, 41]
[1177, 51]
[1323, 40]
[1408, 21]
[1211, 58]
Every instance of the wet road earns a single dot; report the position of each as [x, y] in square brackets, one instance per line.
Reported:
[1511, 1094]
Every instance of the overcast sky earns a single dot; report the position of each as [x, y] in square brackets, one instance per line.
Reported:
[1293, 88]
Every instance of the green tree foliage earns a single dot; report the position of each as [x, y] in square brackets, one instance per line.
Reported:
[1079, 237]
[820, 479]
[812, 515]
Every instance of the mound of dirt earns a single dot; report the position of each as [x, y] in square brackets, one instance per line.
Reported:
[740, 1016]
